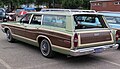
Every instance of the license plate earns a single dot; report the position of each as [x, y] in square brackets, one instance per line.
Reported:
[98, 50]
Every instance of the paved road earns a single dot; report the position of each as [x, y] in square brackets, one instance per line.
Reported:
[19, 55]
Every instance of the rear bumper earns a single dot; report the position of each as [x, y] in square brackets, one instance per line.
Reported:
[91, 50]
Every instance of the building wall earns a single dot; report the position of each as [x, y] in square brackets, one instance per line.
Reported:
[106, 5]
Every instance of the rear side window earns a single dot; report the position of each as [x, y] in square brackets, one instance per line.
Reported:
[54, 20]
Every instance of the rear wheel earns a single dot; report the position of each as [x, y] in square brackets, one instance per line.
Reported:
[9, 36]
[45, 48]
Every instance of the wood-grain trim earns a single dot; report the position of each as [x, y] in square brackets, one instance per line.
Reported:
[57, 39]
[95, 37]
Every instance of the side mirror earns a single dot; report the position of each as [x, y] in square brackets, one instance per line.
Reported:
[21, 21]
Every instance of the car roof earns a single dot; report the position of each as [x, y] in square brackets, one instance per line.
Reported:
[68, 12]
[115, 14]
[64, 13]
[29, 8]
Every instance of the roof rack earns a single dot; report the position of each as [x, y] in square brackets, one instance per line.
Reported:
[68, 10]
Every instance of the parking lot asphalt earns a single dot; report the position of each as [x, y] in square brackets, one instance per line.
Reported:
[20, 55]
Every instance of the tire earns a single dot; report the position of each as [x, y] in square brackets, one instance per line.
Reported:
[45, 49]
[118, 46]
[4, 20]
[9, 36]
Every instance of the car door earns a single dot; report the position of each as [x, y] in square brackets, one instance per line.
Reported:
[31, 29]
[19, 28]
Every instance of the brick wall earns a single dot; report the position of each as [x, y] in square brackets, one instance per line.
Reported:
[105, 5]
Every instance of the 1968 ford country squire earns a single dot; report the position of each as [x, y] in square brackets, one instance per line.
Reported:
[67, 31]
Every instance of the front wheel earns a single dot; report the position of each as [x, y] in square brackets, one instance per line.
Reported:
[9, 36]
[45, 48]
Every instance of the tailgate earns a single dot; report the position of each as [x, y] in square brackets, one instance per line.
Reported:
[95, 38]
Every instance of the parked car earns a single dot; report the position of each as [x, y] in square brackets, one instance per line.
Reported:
[11, 16]
[17, 12]
[69, 32]
[113, 19]
[3, 15]
[22, 12]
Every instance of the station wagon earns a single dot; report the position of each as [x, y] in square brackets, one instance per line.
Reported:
[67, 31]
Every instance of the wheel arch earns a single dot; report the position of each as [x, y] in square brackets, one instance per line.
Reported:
[41, 37]
[7, 28]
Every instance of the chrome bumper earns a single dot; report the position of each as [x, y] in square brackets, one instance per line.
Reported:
[91, 50]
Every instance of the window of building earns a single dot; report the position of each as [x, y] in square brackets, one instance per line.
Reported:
[97, 4]
[54, 20]
[117, 3]
[93, 4]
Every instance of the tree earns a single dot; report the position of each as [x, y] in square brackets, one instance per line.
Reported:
[72, 4]
[86, 4]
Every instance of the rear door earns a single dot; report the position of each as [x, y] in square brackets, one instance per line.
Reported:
[92, 31]
[95, 37]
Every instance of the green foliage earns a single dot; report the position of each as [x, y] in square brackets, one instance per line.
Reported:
[72, 4]
[86, 4]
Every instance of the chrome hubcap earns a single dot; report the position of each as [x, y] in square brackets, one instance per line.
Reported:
[45, 47]
[8, 35]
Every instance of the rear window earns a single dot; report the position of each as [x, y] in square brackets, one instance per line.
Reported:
[89, 21]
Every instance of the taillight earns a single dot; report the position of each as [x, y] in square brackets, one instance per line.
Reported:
[75, 40]
[117, 35]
